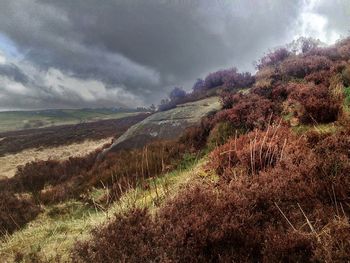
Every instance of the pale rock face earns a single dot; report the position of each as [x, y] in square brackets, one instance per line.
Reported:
[166, 125]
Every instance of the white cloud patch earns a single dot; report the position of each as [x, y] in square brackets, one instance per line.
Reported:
[2, 58]
[54, 89]
[12, 87]
[311, 23]
[86, 90]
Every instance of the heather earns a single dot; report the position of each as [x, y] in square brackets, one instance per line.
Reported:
[276, 199]
[54, 181]
[272, 183]
[15, 212]
[267, 193]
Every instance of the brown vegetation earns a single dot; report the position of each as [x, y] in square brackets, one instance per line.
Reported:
[10, 162]
[293, 208]
[314, 104]
[54, 181]
[280, 197]
[16, 141]
[272, 195]
[15, 212]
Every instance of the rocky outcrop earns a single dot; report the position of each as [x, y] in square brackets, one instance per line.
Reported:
[166, 125]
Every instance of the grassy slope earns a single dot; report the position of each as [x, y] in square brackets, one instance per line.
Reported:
[55, 231]
[17, 120]
[58, 227]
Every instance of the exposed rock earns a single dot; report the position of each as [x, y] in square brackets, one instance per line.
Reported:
[166, 125]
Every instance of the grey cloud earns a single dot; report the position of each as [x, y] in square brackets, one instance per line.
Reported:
[337, 12]
[13, 72]
[142, 48]
[27, 86]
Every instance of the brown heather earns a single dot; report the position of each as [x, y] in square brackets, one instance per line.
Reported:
[272, 195]
[291, 209]
[15, 212]
[54, 181]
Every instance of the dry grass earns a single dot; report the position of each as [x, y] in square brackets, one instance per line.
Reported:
[9, 162]
[55, 231]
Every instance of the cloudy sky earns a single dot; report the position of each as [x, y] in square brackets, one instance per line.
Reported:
[105, 53]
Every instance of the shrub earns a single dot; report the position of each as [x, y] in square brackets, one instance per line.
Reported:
[320, 77]
[289, 246]
[34, 176]
[228, 99]
[55, 181]
[128, 238]
[250, 153]
[177, 93]
[166, 104]
[346, 76]
[150, 161]
[314, 103]
[196, 137]
[199, 226]
[263, 86]
[285, 213]
[269, 73]
[198, 86]
[229, 78]
[235, 80]
[300, 66]
[221, 132]
[304, 45]
[248, 112]
[335, 242]
[331, 52]
[343, 48]
[217, 78]
[277, 93]
[273, 58]
[15, 212]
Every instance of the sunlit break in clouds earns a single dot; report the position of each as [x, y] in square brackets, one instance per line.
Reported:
[315, 25]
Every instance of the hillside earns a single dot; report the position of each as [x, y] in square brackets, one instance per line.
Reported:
[17, 141]
[257, 173]
[19, 120]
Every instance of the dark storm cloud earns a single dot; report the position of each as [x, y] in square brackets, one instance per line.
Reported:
[133, 50]
[13, 72]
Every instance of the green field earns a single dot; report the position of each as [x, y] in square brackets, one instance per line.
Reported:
[18, 120]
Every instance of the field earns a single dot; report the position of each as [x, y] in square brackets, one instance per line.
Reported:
[58, 142]
[16, 141]
[18, 120]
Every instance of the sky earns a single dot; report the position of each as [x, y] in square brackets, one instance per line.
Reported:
[129, 53]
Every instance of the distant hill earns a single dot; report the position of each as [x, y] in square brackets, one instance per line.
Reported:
[19, 120]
